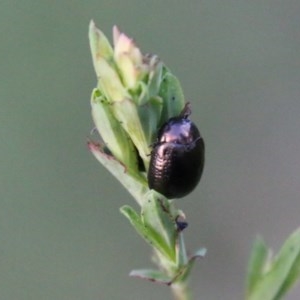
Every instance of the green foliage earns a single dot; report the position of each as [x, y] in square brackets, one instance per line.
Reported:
[270, 278]
[157, 226]
[134, 96]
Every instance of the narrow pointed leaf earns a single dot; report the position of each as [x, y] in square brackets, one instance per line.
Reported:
[256, 264]
[151, 275]
[111, 131]
[150, 115]
[172, 95]
[282, 274]
[137, 186]
[291, 249]
[156, 214]
[155, 77]
[126, 112]
[99, 44]
[185, 270]
[109, 81]
[149, 235]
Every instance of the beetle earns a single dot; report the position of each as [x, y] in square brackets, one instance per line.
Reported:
[177, 157]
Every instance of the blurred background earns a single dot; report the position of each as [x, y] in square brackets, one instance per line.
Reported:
[61, 233]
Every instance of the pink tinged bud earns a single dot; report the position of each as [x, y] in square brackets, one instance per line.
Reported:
[128, 58]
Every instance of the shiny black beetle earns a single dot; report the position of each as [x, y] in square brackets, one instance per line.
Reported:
[177, 157]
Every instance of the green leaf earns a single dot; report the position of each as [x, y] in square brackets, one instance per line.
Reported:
[151, 275]
[99, 44]
[172, 95]
[127, 113]
[109, 81]
[184, 271]
[111, 131]
[155, 77]
[290, 255]
[150, 115]
[282, 274]
[104, 65]
[157, 214]
[256, 264]
[149, 235]
[135, 184]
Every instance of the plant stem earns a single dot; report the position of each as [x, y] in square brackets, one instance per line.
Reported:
[181, 291]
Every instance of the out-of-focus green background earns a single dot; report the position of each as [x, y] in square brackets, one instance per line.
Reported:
[61, 233]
